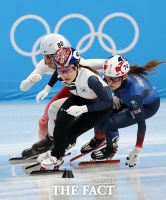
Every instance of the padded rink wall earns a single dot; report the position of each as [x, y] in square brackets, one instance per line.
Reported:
[97, 29]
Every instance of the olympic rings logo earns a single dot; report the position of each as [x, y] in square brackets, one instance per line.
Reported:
[90, 35]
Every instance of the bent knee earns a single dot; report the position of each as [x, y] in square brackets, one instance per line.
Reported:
[52, 111]
[43, 122]
[110, 124]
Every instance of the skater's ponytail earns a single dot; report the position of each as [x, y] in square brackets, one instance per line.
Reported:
[144, 70]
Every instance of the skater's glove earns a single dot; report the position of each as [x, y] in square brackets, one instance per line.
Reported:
[43, 94]
[34, 78]
[133, 157]
[116, 102]
[77, 110]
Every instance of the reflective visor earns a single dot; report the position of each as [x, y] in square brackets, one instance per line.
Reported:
[66, 70]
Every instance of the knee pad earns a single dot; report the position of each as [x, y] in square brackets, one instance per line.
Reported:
[110, 125]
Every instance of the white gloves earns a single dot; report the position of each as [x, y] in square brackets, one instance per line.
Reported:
[116, 102]
[133, 157]
[77, 110]
[34, 78]
[43, 94]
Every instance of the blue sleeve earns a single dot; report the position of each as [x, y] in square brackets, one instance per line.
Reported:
[103, 93]
[135, 103]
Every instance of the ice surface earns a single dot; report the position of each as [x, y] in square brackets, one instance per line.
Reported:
[147, 180]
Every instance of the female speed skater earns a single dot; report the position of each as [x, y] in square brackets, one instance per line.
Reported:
[89, 104]
[49, 44]
[140, 102]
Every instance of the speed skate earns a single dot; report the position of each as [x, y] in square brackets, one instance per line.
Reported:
[17, 160]
[94, 161]
[43, 171]
[24, 158]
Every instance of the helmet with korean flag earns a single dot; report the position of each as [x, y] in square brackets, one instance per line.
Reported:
[65, 56]
[116, 66]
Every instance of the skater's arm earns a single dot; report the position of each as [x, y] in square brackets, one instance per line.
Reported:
[44, 93]
[137, 111]
[139, 116]
[103, 93]
[96, 64]
[53, 79]
[34, 77]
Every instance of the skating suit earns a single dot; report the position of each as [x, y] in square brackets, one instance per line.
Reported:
[42, 69]
[140, 101]
[87, 89]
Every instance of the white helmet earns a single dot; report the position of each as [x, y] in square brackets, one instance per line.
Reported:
[116, 66]
[52, 42]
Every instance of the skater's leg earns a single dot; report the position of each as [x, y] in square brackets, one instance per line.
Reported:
[47, 142]
[43, 121]
[122, 119]
[99, 134]
[52, 112]
[85, 122]
[68, 128]
[96, 141]
[62, 121]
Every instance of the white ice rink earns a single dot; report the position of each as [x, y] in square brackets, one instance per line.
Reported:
[146, 181]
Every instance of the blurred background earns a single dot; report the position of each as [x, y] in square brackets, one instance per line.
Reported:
[97, 29]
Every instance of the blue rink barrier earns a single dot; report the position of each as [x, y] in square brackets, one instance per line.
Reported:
[135, 29]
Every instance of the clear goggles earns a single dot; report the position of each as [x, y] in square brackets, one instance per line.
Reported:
[65, 70]
[113, 79]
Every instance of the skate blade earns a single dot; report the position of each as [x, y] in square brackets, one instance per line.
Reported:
[31, 157]
[20, 160]
[98, 162]
[29, 167]
[81, 155]
[47, 172]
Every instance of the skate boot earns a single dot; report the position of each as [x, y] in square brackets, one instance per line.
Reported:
[44, 156]
[90, 146]
[51, 161]
[28, 153]
[39, 147]
[70, 146]
[43, 145]
[104, 153]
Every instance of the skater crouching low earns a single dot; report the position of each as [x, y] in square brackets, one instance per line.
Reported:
[89, 104]
[139, 99]
[48, 46]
